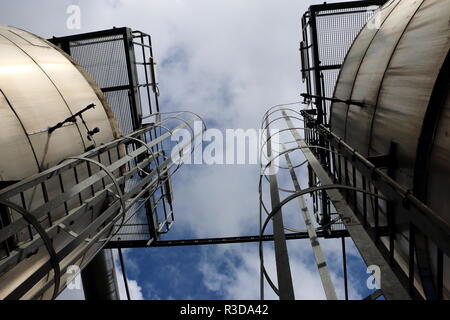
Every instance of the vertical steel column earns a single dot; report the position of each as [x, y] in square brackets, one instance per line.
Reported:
[316, 65]
[327, 284]
[124, 274]
[285, 287]
[344, 269]
[132, 78]
[99, 278]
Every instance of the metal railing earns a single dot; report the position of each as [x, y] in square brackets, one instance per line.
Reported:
[380, 217]
[65, 215]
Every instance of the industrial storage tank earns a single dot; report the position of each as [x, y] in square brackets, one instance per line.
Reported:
[41, 87]
[399, 69]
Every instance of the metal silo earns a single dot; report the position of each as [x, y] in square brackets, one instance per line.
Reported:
[40, 87]
[71, 182]
[377, 150]
[393, 100]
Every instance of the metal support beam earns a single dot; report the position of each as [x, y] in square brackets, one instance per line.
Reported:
[391, 286]
[344, 268]
[285, 286]
[347, 5]
[223, 240]
[327, 284]
[124, 273]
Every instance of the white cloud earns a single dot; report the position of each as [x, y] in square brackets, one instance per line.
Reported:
[134, 288]
[71, 294]
[242, 281]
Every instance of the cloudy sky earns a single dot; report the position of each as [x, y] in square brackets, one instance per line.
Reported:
[229, 61]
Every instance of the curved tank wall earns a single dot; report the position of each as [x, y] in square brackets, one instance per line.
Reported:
[39, 87]
[400, 71]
